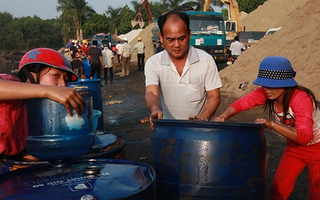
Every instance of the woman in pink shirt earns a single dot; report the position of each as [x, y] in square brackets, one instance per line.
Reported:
[294, 114]
[44, 73]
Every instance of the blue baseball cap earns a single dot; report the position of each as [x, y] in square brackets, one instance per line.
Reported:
[275, 72]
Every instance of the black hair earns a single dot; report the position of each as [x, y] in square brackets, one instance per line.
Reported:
[182, 15]
[269, 104]
[36, 69]
[94, 42]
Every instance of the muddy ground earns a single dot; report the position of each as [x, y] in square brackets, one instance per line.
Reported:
[125, 120]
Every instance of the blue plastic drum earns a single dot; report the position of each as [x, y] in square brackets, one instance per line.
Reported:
[54, 135]
[95, 88]
[88, 179]
[106, 145]
[47, 117]
[208, 160]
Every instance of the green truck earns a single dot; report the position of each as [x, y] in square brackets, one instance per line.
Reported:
[207, 33]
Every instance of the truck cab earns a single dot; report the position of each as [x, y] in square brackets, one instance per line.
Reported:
[208, 33]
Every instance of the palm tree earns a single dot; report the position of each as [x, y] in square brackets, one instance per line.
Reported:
[77, 10]
[201, 4]
[114, 14]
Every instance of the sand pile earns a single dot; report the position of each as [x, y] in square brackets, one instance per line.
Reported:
[298, 40]
[146, 35]
[273, 13]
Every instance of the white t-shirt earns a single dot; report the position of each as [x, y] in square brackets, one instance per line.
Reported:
[236, 48]
[183, 96]
[107, 56]
[126, 50]
[119, 48]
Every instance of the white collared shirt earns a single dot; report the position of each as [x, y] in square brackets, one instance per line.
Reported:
[183, 96]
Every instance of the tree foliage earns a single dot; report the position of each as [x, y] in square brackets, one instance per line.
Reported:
[25, 33]
[249, 5]
[96, 24]
[5, 24]
[78, 11]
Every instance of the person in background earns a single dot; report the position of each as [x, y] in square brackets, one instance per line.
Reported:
[212, 27]
[106, 43]
[182, 82]
[159, 47]
[109, 62]
[85, 47]
[76, 44]
[95, 60]
[125, 58]
[294, 114]
[77, 65]
[236, 48]
[67, 54]
[43, 73]
[73, 49]
[119, 49]
[140, 48]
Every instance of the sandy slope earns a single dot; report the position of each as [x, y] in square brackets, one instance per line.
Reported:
[298, 40]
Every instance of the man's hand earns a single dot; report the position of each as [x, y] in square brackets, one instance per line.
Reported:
[156, 114]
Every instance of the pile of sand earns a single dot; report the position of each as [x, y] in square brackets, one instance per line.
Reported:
[273, 13]
[146, 36]
[298, 40]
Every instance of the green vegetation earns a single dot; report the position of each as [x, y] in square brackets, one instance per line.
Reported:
[79, 20]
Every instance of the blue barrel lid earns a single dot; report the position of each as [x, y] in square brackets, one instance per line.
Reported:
[100, 178]
[103, 141]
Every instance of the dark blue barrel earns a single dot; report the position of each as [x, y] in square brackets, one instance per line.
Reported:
[54, 135]
[208, 160]
[95, 88]
[99, 179]
[47, 117]
[106, 145]
[87, 68]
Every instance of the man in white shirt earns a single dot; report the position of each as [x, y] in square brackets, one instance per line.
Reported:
[140, 48]
[119, 50]
[125, 57]
[109, 62]
[182, 82]
[236, 48]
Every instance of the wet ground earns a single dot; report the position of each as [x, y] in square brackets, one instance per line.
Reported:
[124, 110]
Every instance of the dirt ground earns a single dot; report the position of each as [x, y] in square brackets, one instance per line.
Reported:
[125, 120]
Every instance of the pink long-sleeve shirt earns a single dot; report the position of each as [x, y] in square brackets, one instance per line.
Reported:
[302, 114]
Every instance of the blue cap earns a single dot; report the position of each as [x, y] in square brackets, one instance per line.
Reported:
[275, 72]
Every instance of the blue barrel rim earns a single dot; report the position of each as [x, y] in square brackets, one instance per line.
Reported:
[205, 124]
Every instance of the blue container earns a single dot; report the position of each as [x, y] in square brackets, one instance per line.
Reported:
[209, 160]
[95, 88]
[54, 135]
[96, 115]
[47, 117]
[87, 68]
[59, 150]
[105, 145]
[100, 179]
